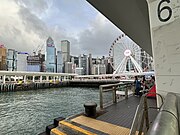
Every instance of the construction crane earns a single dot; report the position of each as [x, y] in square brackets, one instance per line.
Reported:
[39, 49]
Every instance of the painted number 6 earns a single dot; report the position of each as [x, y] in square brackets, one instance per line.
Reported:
[160, 10]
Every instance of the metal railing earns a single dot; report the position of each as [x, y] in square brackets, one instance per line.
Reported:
[167, 120]
[141, 116]
[113, 88]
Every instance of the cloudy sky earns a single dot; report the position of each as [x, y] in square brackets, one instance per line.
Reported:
[26, 24]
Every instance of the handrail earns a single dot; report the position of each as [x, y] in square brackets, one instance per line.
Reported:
[141, 115]
[113, 88]
[166, 121]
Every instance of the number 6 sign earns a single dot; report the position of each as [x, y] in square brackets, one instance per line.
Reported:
[163, 8]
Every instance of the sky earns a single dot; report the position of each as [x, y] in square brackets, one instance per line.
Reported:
[26, 24]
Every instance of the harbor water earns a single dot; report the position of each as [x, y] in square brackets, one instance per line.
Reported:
[29, 112]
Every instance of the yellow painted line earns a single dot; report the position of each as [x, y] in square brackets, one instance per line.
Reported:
[57, 132]
[102, 126]
[76, 128]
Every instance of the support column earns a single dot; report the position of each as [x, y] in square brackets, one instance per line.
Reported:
[54, 79]
[47, 78]
[15, 78]
[24, 78]
[165, 30]
[41, 78]
[4, 79]
[33, 78]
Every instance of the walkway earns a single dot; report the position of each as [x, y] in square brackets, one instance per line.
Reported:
[122, 113]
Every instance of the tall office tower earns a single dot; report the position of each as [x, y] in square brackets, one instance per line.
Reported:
[80, 61]
[98, 69]
[22, 61]
[103, 60]
[85, 64]
[65, 48]
[76, 61]
[72, 59]
[50, 55]
[59, 62]
[11, 60]
[3, 57]
[68, 67]
[90, 64]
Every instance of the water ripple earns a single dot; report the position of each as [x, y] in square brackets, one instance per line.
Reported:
[29, 112]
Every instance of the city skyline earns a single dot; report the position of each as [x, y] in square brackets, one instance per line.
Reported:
[28, 24]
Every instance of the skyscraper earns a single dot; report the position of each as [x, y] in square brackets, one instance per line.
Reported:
[90, 64]
[59, 62]
[2, 57]
[50, 55]
[22, 61]
[65, 48]
[11, 60]
[68, 67]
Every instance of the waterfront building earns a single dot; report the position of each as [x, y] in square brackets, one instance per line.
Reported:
[79, 71]
[59, 62]
[85, 64]
[68, 67]
[35, 63]
[90, 64]
[79, 61]
[109, 68]
[73, 68]
[76, 60]
[11, 60]
[22, 61]
[98, 69]
[72, 59]
[3, 55]
[50, 55]
[65, 48]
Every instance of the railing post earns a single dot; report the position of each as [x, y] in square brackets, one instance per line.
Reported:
[146, 113]
[126, 92]
[101, 96]
[114, 95]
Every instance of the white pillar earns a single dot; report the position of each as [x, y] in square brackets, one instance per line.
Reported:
[47, 78]
[165, 30]
[54, 78]
[24, 78]
[33, 78]
[4, 79]
[41, 78]
[15, 79]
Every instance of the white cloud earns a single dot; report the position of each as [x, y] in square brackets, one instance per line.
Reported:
[14, 33]
[23, 29]
[98, 37]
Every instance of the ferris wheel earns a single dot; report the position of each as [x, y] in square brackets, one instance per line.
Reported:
[127, 56]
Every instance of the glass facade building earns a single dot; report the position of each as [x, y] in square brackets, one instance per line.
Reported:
[50, 55]
[65, 48]
[59, 62]
[11, 60]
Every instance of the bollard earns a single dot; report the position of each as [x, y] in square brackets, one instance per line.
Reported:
[49, 127]
[90, 109]
[56, 121]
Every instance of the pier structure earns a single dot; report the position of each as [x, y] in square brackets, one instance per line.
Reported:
[25, 77]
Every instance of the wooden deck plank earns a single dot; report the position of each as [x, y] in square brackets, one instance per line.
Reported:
[122, 113]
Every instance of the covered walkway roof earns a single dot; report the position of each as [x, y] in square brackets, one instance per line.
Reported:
[131, 16]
